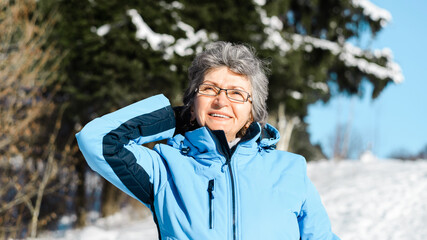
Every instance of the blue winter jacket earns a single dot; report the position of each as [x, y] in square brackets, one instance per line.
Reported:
[198, 188]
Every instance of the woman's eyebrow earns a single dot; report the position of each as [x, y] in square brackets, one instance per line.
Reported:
[229, 87]
[209, 82]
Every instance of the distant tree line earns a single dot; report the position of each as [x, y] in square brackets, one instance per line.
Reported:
[100, 55]
[403, 154]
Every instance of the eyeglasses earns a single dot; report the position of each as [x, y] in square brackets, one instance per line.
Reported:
[235, 95]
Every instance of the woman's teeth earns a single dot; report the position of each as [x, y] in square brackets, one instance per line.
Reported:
[219, 115]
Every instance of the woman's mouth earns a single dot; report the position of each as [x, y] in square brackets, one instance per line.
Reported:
[218, 115]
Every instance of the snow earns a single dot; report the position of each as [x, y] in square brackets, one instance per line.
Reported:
[103, 30]
[260, 2]
[182, 46]
[295, 95]
[353, 56]
[167, 42]
[368, 156]
[318, 85]
[160, 41]
[374, 199]
[374, 12]
[370, 199]
[122, 225]
[143, 31]
[349, 54]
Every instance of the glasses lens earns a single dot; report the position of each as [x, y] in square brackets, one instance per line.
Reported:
[208, 90]
[237, 95]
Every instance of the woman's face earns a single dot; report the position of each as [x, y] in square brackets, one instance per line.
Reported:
[218, 112]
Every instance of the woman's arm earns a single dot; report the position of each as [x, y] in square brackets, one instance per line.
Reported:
[112, 147]
[313, 220]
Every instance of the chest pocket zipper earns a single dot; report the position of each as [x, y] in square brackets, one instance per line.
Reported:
[211, 197]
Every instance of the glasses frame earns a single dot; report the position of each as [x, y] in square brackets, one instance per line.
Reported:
[218, 91]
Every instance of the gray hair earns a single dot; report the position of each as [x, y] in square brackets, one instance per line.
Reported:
[238, 58]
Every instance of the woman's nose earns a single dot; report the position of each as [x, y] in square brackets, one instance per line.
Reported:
[222, 99]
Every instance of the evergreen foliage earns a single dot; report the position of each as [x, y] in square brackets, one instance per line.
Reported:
[107, 70]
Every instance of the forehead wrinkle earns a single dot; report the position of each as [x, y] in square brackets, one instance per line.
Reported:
[208, 81]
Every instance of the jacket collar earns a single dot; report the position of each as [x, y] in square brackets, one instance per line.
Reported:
[203, 143]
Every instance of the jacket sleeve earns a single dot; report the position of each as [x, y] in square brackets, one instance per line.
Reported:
[314, 223]
[112, 147]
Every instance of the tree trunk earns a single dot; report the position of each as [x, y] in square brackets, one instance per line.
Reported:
[49, 171]
[81, 194]
[285, 127]
[109, 199]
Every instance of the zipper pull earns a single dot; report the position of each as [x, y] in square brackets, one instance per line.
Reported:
[211, 197]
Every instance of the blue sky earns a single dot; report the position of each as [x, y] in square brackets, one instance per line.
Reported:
[397, 120]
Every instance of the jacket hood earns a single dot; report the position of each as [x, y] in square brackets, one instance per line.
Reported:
[269, 136]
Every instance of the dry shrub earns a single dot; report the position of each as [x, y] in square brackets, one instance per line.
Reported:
[28, 81]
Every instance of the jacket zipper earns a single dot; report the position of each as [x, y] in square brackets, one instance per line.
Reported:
[211, 187]
[222, 146]
[233, 199]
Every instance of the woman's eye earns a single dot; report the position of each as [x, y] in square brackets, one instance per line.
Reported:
[236, 93]
[207, 88]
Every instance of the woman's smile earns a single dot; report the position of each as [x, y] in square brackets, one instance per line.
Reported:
[219, 116]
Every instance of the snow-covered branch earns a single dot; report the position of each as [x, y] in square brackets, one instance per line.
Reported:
[164, 42]
[143, 31]
[181, 46]
[349, 54]
[374, 12]
[353, 56]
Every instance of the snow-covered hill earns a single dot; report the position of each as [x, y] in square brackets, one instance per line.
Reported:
[381, 200]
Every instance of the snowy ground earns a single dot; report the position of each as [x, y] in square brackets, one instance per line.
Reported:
[381, 200]
[374, 200]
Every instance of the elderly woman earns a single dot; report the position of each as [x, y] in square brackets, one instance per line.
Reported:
[218, 176]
